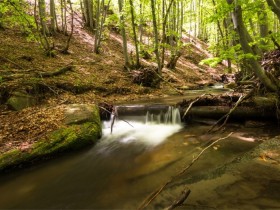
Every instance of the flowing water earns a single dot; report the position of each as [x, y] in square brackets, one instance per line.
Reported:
[137, 155]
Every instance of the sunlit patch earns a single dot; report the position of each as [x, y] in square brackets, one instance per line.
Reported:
[239, 136]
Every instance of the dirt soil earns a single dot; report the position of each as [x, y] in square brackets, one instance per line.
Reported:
[94, 79]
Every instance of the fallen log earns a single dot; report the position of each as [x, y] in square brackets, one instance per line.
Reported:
[240, 113]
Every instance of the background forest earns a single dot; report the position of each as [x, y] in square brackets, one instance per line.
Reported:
[238, 32]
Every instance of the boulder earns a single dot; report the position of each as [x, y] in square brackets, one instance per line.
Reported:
[20, 100]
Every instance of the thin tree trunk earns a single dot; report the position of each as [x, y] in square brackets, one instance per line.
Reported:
[156, 50]
[263, 25]
[42, 14]
[62, 15]
[72, 28]
[141, 24]
[65, 17]
[134, 33]
[97, 26]
[1, 21]
[122, 26]
[88, 13]
[165, 18]
[53, 27]
[42, 37]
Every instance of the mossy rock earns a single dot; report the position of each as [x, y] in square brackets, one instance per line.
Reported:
[69, 138]
[20, 100]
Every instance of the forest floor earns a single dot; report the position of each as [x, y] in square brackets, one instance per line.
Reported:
[94, 78]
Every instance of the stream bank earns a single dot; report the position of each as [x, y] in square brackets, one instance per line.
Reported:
[81, 127]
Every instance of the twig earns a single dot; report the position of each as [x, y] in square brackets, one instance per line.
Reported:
[154, 194]
[114, 117]
[190, 106]
[113, 120]
[184, 195]
[226, 116]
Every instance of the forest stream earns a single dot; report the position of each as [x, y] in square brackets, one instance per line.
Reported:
[138, 155]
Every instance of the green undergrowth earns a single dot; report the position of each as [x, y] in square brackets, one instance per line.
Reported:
[70, 138]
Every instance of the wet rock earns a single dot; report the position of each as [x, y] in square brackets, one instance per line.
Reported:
[20, 100]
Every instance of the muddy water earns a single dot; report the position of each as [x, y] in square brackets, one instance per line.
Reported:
[124, 167]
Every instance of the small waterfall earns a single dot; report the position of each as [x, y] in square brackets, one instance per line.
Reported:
[148, 125]
[171, 116]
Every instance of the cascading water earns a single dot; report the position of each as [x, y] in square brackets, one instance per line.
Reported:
[144, 125]
[171, 116]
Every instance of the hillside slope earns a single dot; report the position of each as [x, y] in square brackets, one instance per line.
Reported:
[89, 78]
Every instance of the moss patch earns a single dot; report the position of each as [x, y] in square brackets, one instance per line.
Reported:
[66, 139]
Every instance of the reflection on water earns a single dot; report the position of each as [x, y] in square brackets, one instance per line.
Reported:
[123, 168]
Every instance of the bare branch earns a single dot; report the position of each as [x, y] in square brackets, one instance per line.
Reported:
[190, 106]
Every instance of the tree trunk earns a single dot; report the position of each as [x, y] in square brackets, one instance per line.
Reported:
[102, 10]
[156, 49]
[53, 27]
[243, 37]
[173, 60]
[65, 50]
[141, 25]
[275, 7]
[88, 13]
[122, 26]
[42, 36]
[134, 33]
[65, 17]
[165, 18]
[62, 14]
[263, 26]
[42, 14]
[97, 26]
[1, 21]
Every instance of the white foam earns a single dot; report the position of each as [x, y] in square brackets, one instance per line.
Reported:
[149, 134]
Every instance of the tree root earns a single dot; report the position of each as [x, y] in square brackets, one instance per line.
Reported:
[10, 61]
[55, 73]
[154, 194]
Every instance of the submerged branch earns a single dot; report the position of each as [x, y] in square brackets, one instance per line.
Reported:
[154, 194]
